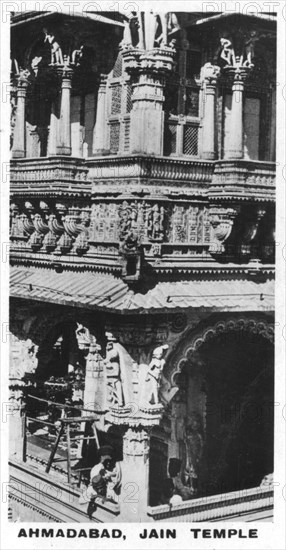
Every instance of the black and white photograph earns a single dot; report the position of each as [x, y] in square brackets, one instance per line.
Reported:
[142, 255]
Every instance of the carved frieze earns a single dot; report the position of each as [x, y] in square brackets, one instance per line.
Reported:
[190, 225]
[104, 222]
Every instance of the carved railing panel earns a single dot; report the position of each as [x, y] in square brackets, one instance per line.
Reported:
[219, 507]
[49, 176]
[243, 180]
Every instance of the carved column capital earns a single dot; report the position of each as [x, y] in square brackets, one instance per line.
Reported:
[65, 72]
[210, 75]
[136, 442]
[239, 72]
[23, 81]
[159, 61]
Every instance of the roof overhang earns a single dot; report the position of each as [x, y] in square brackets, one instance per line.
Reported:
[30, 17]
[105, 292]
[262, 18]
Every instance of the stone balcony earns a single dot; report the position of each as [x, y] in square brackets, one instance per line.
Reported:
[49, 176]
[245, 505]
[222, 179]
[243, 180]
[148, 174]
[36, 496]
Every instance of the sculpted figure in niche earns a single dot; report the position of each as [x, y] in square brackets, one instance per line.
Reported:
[56, 52]
[77, 55]
[151, 382]
[193, 440]
[156, 222]
[249, 47]
[114, 387]
[152, 30]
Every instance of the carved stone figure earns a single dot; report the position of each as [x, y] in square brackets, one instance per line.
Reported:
[249, 47]
[193, 440]
[150, 381]
[113, 374]
[150, 30]
[155, 222]
[77, 56]
[23, 358]
[56, 52]
[127, 219]
[35, 64]
[227, 51]
[83, 337]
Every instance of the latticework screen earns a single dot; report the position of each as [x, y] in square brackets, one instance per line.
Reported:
[127, 136]
[116, 99]
[190, 144]
[114, 137]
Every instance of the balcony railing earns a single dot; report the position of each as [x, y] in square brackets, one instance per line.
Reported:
[243, 179]
[233, 506]
[224, 178]
[162, 168]
[49, 176]
[36, 496]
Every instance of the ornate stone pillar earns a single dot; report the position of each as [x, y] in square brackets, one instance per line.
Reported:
[99, 132]
[19, 142]
[234, 144]
[135, 475]
[53, 133]
[149, 70]
[210, 76]
[64, 143]
[94, 379]
[23, 361]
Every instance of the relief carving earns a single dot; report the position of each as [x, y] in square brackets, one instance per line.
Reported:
[104, 222]
[23, 358]
[155, 222]
[150, 378]
[190, 225]
[194, 442]
[118, 367]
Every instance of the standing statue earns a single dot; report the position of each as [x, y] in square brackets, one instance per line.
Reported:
[113, 374]
[150, 381]
[155, 222]
[153, 29]
[56, 52]
[249, 47]
[193, 440]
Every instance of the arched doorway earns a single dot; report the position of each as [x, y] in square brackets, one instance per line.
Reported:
[224, 409]
[239, 413]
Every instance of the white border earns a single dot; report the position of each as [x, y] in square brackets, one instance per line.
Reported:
[270, 535]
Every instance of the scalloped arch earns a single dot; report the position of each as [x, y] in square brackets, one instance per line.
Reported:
[262, 328]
